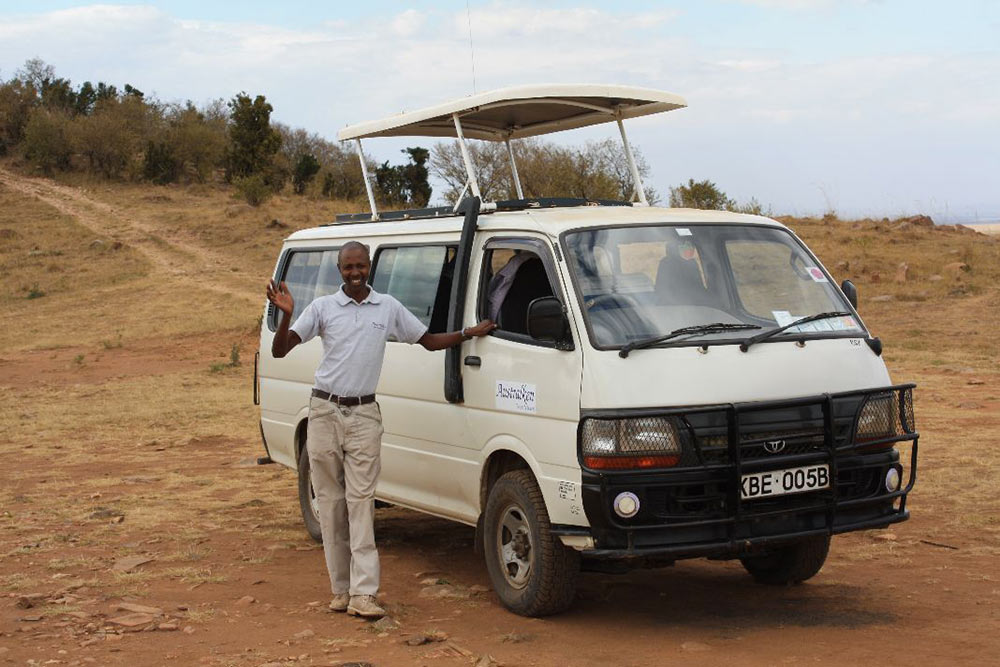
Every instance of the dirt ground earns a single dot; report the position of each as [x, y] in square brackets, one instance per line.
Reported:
[136, 528]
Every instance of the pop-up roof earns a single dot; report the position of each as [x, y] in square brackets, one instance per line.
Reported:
[513, 113]
[522, 111]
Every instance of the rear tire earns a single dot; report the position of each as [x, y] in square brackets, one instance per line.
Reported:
[533, 573]
[307, 500]
[791, 563]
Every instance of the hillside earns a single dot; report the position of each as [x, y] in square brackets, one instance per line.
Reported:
[132, 315]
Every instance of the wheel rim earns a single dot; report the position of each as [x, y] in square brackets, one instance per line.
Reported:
[514, 546]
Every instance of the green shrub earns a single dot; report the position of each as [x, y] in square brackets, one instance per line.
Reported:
[254, 189]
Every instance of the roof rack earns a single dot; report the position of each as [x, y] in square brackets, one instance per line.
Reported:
[511, 113]
[504, 205]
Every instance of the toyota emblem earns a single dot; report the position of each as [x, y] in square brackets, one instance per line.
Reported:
[774, 446]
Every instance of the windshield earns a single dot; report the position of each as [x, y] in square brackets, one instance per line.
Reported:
[637, 283]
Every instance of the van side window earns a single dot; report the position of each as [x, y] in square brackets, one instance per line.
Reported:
[309, 275]
[512, 279]
[420, 278]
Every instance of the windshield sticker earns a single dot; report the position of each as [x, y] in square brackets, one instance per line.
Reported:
[782, 317]
[683, 231]
[817, 275]
[515, 396]
[843, 323]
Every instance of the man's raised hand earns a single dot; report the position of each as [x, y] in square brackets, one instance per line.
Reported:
[278, 294]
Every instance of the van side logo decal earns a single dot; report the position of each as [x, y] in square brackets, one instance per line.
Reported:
[515, 396]
[774, 446]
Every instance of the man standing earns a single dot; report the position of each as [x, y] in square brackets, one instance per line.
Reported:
[345, 424]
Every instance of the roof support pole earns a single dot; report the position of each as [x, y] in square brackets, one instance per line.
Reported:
[513, 169]
[368, 182]
[640, 191]
[466, 158]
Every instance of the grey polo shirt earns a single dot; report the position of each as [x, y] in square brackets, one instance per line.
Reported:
[354, 336]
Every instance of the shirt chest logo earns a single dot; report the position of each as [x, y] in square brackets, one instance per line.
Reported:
[378, 325]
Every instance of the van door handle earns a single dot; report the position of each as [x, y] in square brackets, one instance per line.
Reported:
[473, 361]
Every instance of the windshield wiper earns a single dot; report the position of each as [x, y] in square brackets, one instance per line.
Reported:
[715, 327]
[745, 345]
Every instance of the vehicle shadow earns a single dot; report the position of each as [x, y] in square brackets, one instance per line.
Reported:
[697, 593]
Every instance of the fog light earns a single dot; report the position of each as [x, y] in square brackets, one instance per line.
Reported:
[892, 480]
[626, 505]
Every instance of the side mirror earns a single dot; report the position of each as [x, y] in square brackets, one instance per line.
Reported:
[851, 292]
[547, 321]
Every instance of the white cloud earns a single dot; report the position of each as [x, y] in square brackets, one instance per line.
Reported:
[759, 123]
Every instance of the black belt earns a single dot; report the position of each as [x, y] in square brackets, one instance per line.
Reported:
[343, 400]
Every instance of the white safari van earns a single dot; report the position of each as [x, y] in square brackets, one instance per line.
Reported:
[663, 383]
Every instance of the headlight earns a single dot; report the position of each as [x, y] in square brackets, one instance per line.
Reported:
[622, 444]
[885, 415]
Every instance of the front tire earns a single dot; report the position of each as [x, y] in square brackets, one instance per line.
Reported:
[789, 564]
[307, 499]
[533, 573]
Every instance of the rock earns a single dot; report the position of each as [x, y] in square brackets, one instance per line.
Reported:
[695, 647]
[875, 277]
[975, 381]
[97, 244]
[276, 224]
[882, 298]
[934, 278]
[885, 537]
[129, 563]
[167, 627]
[487, 661]
[918, 221]
[139, 609]
[188, 630]
[246, 600]
[30, 619]
[902, 272]
[305, 634]
[24, 602]
[419, 640]
[385, 623]
[131, 620]
[957, 269]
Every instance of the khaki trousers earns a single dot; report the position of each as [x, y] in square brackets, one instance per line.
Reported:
[344, 445]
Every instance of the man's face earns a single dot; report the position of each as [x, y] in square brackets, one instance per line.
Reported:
[354, 267]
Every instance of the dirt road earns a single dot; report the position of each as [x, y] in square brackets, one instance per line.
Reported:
[135, 528]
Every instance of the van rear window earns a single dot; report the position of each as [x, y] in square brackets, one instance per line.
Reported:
[309, 275]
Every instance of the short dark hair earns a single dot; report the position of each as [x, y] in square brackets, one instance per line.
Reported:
[353, 245]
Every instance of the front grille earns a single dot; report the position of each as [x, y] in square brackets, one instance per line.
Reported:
[766, 433]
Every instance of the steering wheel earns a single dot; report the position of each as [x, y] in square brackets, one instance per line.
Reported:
[610, 301]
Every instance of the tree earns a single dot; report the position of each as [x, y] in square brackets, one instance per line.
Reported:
[595, 171]
[253, 142]
[198, 139]
[46, 141]
[407, 184]
[17, 99]
[306, 169]
[702, 195]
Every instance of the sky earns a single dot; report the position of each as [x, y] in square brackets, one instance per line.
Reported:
[858, 107]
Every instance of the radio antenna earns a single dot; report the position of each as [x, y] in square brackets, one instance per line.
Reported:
[472, 51]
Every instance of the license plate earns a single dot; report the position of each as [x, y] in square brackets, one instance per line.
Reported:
[783, 482]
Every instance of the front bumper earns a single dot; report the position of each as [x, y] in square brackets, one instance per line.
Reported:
[696, 509]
